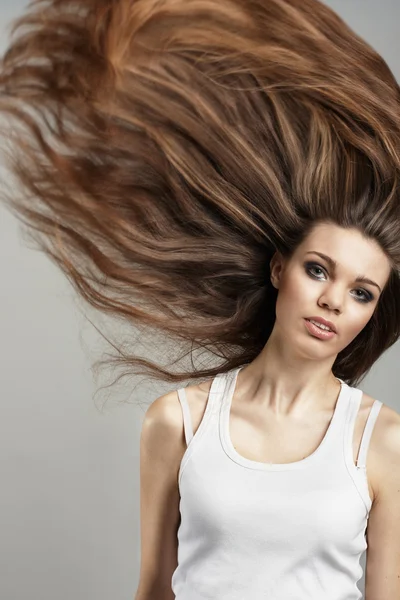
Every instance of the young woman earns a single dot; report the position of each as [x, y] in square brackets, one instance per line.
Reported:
[226, 174]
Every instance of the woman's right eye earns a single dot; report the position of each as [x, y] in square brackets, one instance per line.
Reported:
[311, 266]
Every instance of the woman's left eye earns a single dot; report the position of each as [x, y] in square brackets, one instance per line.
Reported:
[367, 296]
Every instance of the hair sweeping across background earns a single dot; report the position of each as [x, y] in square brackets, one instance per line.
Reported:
[161, 151]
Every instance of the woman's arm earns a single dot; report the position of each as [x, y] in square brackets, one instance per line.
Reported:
[161, 451]
[382, 580]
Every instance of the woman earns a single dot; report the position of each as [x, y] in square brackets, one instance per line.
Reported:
[227, 173]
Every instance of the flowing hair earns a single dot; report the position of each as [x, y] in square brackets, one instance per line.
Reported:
[161, 151]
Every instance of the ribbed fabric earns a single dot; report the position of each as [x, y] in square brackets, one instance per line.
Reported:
[260, 531]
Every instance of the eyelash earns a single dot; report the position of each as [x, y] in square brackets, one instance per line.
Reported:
[368, 295]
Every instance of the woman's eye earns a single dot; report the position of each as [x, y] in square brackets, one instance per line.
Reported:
[316, 268]
[312, 268]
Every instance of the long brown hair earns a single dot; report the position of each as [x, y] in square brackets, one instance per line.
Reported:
[162, 151]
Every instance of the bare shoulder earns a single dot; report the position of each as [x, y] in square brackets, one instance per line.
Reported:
[389, 419]
[163, 427]
[163, 422]
[166, 410]
[161, 439]
[385, 442]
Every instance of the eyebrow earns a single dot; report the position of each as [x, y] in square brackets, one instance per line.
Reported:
[333, 264]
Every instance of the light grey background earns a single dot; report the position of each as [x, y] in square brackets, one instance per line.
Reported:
[69, 469]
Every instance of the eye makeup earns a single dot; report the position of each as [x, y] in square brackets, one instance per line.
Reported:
[310, 267]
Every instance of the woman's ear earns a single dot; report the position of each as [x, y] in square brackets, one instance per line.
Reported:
[274, 262]
[276, 265]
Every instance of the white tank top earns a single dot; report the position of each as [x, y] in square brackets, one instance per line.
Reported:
[254, 531]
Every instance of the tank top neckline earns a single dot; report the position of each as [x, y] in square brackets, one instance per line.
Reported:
[227, 390]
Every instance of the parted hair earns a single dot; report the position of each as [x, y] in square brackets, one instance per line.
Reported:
[161, 152]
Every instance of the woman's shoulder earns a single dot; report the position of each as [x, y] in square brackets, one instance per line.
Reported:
[166, 410]
[385, 440]
[387, 415]
[388, 419]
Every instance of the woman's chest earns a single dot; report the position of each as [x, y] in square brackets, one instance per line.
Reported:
[257, 436]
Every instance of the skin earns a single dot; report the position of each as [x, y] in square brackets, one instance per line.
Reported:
[294, 370]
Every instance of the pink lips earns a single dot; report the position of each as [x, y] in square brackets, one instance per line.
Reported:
[316, 331]
[323, 322]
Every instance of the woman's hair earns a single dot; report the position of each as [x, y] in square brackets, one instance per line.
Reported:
[163, 150]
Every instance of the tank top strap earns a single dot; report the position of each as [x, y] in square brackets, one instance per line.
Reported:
[213, 403]
[187, 420]
[367, 433]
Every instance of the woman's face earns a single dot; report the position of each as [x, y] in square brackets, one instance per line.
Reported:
[310, 286]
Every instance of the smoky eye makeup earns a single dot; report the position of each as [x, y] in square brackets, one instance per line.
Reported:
[312, 269]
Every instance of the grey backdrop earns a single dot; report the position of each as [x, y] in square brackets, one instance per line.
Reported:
[69, 469]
